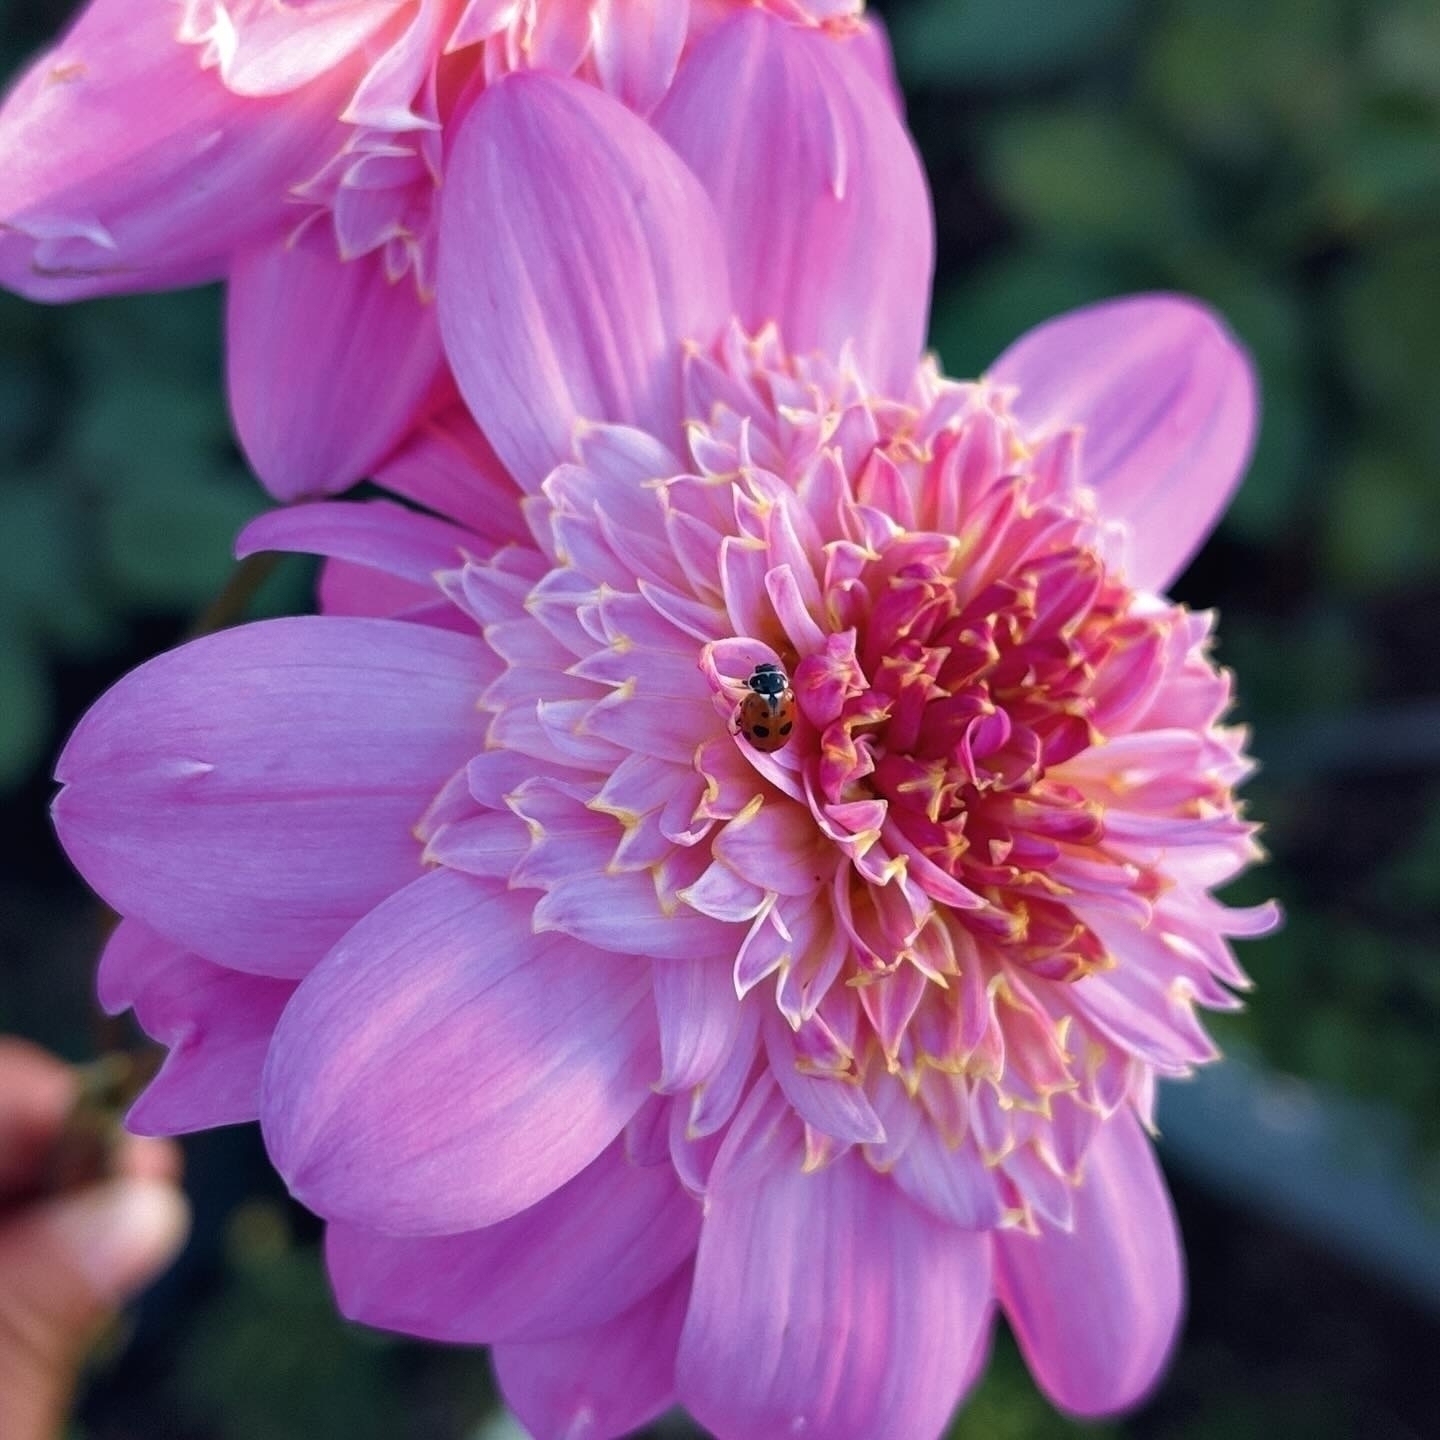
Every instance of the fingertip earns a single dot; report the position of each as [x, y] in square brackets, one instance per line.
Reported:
[120, 1235]
[144, 1158]
[36, 1092]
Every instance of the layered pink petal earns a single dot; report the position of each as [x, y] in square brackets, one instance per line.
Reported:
[602, 1382]
[383, 558]
[952, 1181]
[577, 1258]
[824, 204]
[269, 49]
[348, 588]
[125, 165]
[871, 47]
[216, 1022]
[329, 362]
[448, 466]
[1168, 404]
[1096, 1311]
[443, 1069]
[253, 793]
[637, 47]
[827, 1304]
[576, 255]
[699, 1019]
[377, 534]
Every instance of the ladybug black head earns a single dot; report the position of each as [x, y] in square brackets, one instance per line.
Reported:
[768, 679]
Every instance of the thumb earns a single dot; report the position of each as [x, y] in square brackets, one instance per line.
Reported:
[65, 1264]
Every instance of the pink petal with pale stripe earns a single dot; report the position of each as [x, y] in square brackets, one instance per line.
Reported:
[871, 47]
[953, 1182]
[104, 190]
[833, 1104]
[576, 254]
[448, 466]
[824, 205]
[377, 534]
[637, 48]
[699, 1019]
[261, 48]
[345, 588]
[443, 1069]
[577, 1258]
[216, 1022]
[828, 1305]
[1096, 1311]
[1168, 404]
[329, 363]
[602, 1382]
[383, 558]
[254, 793]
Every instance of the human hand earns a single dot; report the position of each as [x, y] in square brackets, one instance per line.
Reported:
[68, 1260]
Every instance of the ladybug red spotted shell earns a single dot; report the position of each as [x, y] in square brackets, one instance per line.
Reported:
[767, 714]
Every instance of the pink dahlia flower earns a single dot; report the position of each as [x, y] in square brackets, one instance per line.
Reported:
[299, 150]
[671, 1068]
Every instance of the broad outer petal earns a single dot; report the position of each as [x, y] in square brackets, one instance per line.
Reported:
[577, 254]
[827, 1304]
[1096, 1310]
[826, 212]
[125, 165]
[577, 1258]
[1169, 406]
[443, 1069]
[329, 362]
[603, 1382]
[252, 794]
[871, 47]
[217, 1023]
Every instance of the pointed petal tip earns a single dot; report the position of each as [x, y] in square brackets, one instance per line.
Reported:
[1169, 402]
[837, 245]
[550, 177]
[1097, 1311]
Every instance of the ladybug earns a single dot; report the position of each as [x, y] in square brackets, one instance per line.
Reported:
[767, 713]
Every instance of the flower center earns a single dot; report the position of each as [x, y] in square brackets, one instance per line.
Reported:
[976, 697]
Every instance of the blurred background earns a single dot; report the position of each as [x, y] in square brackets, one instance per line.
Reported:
[1281, 159]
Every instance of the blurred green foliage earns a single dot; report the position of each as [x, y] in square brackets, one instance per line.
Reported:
[1280, 158]
[121, 490]
[321, 1376]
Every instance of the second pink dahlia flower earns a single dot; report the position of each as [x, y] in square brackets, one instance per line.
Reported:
[672, 1069]
[299, 152]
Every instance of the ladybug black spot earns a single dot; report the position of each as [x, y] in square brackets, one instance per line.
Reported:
[786, 728]
[762, 731]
